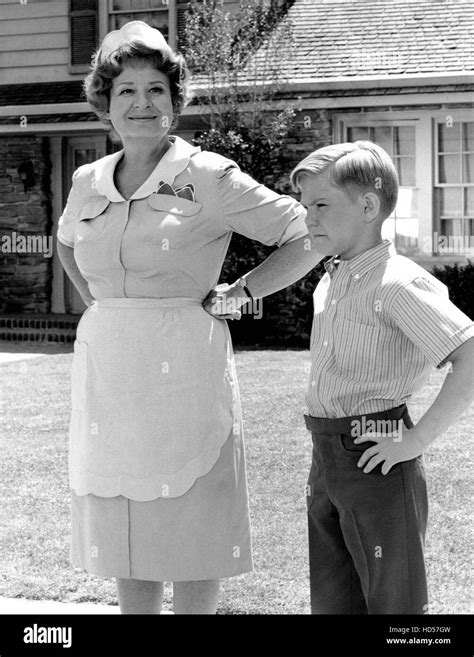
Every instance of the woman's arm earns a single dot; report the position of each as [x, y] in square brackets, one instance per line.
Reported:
[66, 256]
[282, 268]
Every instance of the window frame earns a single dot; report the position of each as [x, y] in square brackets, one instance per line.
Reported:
[425, 121]
[460, 185]
[105, 13]
[102, 28]
[365, 119]
[392, 125]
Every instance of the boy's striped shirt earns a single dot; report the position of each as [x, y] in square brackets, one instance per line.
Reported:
[381, 322]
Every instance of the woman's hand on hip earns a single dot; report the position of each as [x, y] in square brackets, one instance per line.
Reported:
[224, 301]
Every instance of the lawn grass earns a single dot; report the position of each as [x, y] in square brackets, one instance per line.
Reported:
[34, 539]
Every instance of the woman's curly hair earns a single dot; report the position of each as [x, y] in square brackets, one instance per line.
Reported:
[98, 83]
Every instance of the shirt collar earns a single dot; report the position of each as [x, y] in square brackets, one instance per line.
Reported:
[173, 162]
[331, 264]
[364, 262]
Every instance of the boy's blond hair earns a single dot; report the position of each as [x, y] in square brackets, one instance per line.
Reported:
[356, 167]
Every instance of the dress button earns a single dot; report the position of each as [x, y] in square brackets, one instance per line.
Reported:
[313, 383]
[333, 302]
[357, 276]
[325, 343]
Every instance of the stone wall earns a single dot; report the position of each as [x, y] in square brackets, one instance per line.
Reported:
[25, 226]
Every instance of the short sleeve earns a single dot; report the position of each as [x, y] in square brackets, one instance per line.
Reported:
[253, 210]
[423, 311]
[68, 219]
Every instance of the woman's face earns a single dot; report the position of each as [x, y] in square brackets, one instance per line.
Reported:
[140, 103]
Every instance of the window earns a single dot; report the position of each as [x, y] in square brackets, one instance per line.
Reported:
[83, 31]
[90, 21]
[400, 143]
[153, 12]
[454, 193]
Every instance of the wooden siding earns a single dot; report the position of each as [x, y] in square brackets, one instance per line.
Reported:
[34, 41]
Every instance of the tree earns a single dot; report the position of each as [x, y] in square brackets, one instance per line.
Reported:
[239, 65]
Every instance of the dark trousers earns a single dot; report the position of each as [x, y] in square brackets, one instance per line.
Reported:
[366, 531]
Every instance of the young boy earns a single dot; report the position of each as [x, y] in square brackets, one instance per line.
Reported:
[380, 323]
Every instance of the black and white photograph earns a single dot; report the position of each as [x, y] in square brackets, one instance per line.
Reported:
[236, 327]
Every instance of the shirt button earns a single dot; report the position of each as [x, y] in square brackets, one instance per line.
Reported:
[313, 383]
[357, 276]
[325, 343]
[333, 302]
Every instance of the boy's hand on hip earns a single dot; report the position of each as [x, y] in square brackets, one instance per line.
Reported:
[390, 448]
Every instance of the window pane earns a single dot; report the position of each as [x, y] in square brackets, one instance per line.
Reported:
[406, 203]
[118, 20]
[449, 169]
[84, 156]
[122, 4]
[388, 228]
[450, 202]
[143, 4]
[406, 235]
[383, 137]
[158, 19]
[468, 136]
[451, 227]
[405, 167]
[133, 5]
[469, 201]
[468, 168]
[404, 140]
[354, 134]
[449, 138]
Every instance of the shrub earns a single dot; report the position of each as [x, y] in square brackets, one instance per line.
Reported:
[282, 320]
[287, 315]
[460, 283]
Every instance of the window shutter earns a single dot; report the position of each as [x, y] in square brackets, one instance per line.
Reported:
[83, 26]
[181, 9]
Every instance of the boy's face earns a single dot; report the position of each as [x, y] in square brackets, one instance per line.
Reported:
[334, 219]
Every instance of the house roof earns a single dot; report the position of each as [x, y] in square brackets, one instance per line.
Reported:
[334, 39]
[339, 38]
[71, 92]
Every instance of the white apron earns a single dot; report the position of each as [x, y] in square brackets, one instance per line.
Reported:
[154, 397]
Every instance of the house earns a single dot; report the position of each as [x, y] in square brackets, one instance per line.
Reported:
[398, 72]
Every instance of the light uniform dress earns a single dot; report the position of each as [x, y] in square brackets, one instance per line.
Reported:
[156, 453]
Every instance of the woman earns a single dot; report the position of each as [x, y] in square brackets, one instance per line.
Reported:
[157, 466]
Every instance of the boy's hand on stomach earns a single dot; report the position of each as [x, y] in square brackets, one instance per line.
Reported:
[391, 448]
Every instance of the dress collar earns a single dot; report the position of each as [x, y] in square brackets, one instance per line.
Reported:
[173, 162]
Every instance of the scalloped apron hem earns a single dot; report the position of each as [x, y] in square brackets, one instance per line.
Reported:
[204, 534]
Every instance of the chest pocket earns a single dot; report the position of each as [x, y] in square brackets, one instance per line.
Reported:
[168, 220]
[92, 219]
[357, 347]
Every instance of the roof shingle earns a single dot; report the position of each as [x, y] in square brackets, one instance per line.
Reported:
[339, 38]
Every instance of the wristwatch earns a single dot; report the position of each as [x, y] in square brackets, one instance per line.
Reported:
[242, 282]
